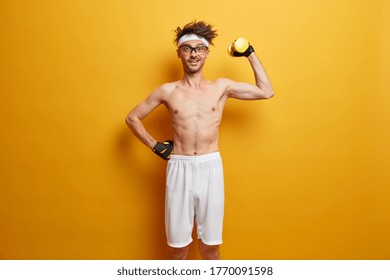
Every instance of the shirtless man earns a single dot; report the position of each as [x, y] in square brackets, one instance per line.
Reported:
[194, 183]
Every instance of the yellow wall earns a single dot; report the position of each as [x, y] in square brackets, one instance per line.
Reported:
[307, 172]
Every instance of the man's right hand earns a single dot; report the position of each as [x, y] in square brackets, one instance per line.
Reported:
[163, 149]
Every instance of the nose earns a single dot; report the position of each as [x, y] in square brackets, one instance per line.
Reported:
[193, 53]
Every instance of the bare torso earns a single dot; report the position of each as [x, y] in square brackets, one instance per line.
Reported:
[196, 116]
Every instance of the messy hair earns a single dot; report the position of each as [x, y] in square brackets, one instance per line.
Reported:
[199, 28]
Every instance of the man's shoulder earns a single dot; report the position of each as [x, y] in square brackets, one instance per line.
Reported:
[223, 81]
[163, 91]
[168, 87]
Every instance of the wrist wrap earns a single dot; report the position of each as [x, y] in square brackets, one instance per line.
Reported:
[163, 149]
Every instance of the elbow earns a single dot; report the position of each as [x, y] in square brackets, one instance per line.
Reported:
[265, 91]
[269, 94]
[129, 120]
[266, 94]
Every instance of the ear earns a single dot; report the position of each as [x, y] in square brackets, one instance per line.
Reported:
[207, 53]
[178, 52]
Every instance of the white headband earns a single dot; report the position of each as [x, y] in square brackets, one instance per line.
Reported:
[190, 37]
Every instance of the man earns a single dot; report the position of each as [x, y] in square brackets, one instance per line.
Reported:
[194, 183]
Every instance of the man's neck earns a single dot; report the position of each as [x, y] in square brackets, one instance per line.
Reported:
[195, 80]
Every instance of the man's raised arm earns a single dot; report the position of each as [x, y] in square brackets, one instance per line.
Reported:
[261, 77]
[263, 88]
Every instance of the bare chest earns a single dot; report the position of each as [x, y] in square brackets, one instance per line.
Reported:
[198, 104]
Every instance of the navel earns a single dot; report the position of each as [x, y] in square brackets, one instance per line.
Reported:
[213, 109]
[176, 111]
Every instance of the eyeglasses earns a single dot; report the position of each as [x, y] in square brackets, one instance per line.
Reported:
[197, 49]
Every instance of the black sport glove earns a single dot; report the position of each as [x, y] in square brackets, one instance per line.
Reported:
[164, 149]
[247, 52]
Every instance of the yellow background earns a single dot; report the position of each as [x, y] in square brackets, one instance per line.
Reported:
[307, 172]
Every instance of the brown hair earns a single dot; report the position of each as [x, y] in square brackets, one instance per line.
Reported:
[199, 28]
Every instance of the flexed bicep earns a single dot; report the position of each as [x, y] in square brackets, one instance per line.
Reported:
[244, 91]
[262, 88]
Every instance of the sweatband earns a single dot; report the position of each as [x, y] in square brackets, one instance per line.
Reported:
[189, 37]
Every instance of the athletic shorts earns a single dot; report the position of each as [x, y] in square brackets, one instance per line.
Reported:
[194, 189]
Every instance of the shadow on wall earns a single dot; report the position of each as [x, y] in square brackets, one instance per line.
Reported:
[152, 175]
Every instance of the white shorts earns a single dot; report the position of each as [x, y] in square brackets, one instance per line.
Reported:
[195, 188]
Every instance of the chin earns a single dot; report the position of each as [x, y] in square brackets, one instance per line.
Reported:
[193, 70]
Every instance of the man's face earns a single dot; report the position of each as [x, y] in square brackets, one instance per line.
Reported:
[193, 55]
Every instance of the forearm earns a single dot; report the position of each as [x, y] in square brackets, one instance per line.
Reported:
[261, 77]
[140, 132]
